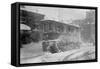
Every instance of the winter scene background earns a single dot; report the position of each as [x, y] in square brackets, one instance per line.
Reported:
[52, 34]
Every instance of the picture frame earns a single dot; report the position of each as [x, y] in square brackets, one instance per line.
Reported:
[27, 18]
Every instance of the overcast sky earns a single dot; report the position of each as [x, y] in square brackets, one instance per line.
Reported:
[59, 14]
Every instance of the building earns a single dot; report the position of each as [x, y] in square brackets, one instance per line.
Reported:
[53, 29]
[87, 27]
[58, 27]
[48, 29]
[30, 18]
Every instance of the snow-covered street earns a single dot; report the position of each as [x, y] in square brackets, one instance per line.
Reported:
[84, 53]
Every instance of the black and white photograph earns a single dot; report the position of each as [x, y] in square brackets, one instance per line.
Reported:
[55, 34]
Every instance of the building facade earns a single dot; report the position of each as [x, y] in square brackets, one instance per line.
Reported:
[48, 29]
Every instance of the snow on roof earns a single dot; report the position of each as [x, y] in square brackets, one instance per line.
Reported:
[74, 25]
[24, 27]
[53, 21]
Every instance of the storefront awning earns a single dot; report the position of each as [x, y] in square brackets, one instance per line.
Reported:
[24, 27]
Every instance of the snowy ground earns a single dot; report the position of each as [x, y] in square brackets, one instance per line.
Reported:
[36, 55]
